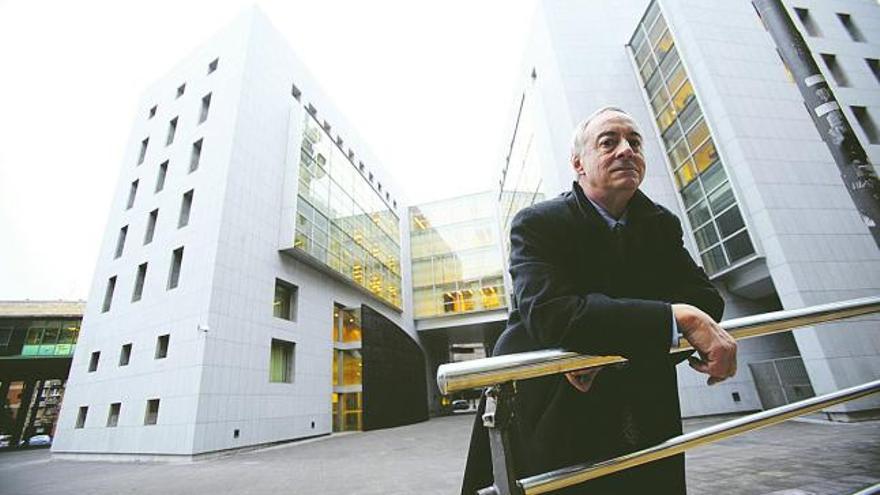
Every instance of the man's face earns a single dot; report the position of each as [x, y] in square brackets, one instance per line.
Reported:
[612, 159]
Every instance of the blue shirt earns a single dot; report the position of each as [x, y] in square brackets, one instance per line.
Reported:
[614, 222]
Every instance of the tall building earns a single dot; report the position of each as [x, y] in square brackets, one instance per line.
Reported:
[732, 151]
[249, 285]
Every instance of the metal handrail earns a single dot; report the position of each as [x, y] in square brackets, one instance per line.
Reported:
[452, 377]
[572, 475]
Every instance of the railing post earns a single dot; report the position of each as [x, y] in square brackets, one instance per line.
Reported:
[498, 419]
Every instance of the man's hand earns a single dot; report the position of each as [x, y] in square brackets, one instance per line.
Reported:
[716, 348]
[582, 379]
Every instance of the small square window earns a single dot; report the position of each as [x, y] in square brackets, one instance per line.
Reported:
[281, 361]
[153, 111]
[151, 226]
[151, 415]
[113, 414]
[125, 355]
[867, 123]
[162, 346]
[196, 155]
[93, 362]
[141, 276]
[311, 109]
[120, 242]
[206, 106]
[851, 28]
[172, 130]
[285, 302]
[835, 69]
[81, 416]
[874, 65]
[185, 208]
[213, 65]
[295, 92]
[807, 21]
[160, 176]
[132, 194]
[108, 294]
[174, 272]
[180, 90]
[142, 154]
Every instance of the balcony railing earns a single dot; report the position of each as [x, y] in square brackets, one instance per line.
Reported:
[499, 373]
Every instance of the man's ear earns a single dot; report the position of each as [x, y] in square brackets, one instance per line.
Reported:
[577, 165]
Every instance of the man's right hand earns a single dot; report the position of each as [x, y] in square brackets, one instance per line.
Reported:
[716, 348]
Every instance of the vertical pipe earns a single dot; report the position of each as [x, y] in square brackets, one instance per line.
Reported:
[855, 169]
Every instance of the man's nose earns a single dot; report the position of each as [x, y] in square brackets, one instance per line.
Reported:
[624, 149]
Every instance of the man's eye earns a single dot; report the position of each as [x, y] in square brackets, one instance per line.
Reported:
[606, 143]
[635, 144]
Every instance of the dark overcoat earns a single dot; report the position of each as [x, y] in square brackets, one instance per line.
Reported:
[578, 287]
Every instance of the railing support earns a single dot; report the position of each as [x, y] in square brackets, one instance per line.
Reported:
[499, 420]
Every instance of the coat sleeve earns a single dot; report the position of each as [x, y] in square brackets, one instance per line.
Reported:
[689, 282]
[556, 315]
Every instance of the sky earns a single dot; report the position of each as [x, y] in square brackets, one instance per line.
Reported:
[71, 76]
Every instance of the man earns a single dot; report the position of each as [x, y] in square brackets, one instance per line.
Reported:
[602, 270]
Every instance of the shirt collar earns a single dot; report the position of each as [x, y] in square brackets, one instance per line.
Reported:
[609, 220]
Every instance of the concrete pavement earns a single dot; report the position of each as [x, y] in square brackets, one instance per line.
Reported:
[428, 458]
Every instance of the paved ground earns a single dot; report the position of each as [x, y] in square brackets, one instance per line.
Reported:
[794, 458]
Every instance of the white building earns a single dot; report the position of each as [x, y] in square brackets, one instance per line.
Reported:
[249, 222]
[733, 152]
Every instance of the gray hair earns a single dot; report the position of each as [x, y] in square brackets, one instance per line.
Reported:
[579, 137]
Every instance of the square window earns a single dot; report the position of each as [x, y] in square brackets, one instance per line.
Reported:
[180, 90]
[120, 242]
[172, 130]
[174, 272]
[185, 208]
[162, 346]
[113, 414]
[153, 111]
[142, 154]
[835, 69]
[93, 362]
[807, 21]
[108, 294]
[138, 291]
[81, 417]
[206, 105]
[125, 355]
[867, 123]
[213, 65]
[874, 65]
[851, 29]
[151, 415]
[132, 194]
[160, 176]
[196, 156]
[295, 92]
[285, 302]
[281, 361]
[151, 226]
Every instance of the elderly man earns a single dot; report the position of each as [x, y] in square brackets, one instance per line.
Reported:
[602, 270]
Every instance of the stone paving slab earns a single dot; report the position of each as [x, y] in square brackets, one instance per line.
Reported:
[795, 458]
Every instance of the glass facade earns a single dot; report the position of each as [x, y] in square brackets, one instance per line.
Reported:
[342, 221]
[38, 337]
[456, 266]
[702, 182]
[521, 178]
[347, 370]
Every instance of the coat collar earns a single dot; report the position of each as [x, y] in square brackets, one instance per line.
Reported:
[639, 208]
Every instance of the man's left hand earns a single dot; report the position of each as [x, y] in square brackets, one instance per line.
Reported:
[582, 379]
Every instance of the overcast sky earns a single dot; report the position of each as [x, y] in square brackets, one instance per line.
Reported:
[71, 74]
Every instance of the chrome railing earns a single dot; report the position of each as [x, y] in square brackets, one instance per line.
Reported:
[452, 377]
[499, 374]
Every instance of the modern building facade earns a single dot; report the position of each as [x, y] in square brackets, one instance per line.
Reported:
[732, 151]
[249, 285]
[37, 343]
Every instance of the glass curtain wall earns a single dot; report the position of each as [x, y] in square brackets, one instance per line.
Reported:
[456, 266]
[521, 178]
[702, 182]
[347, 370]
[48, 338]
[342, 221]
